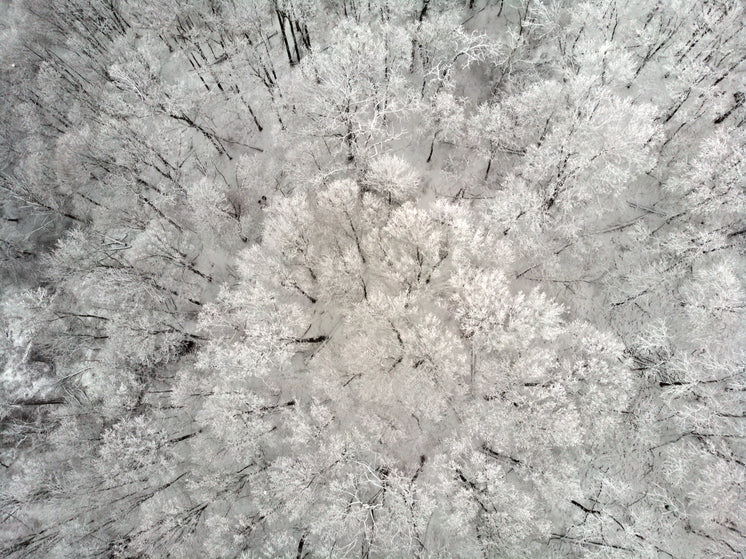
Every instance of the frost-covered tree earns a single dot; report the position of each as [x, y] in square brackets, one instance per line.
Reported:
[401, 371]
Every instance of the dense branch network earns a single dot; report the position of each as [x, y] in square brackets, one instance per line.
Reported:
[292, 278]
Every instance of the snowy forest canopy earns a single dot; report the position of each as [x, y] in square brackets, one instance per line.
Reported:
[372, 278]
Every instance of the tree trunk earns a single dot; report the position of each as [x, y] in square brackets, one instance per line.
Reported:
[423, 13]
[295, 39]
[281, 20]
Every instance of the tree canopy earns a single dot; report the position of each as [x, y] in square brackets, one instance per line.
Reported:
[372, 278]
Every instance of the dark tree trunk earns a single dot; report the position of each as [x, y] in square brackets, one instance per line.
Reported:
[432, 146]
[281, 21]
[423, 13]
